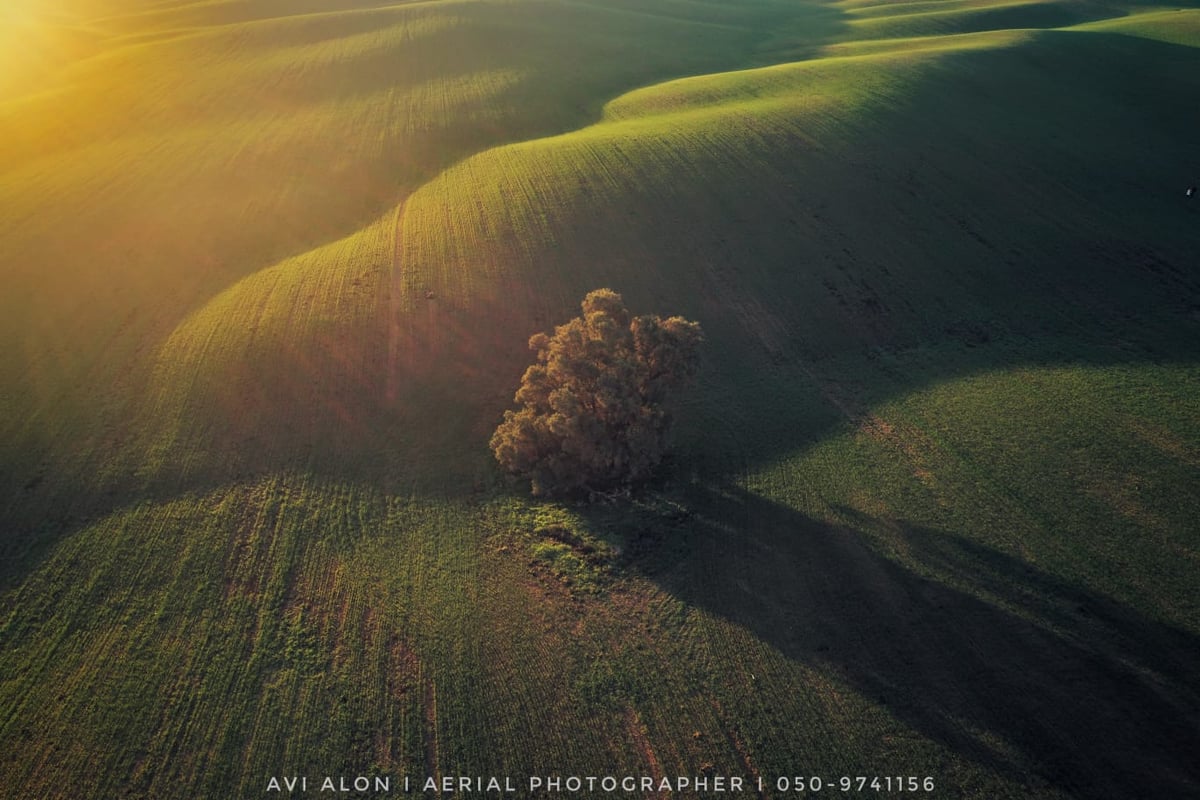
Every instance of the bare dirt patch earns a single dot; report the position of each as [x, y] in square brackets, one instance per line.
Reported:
[640, 738]
[734, 737]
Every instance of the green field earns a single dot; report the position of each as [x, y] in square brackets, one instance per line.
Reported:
[269, 268]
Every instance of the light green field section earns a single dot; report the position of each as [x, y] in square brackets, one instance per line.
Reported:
[1175, 26]
[270, 269]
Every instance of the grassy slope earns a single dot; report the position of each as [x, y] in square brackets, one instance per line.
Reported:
[931, 501]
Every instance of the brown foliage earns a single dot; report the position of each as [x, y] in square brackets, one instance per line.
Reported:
[595, 406]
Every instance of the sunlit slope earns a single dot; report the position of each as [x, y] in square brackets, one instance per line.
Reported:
[143, 182]
[1174, 26]
[870, 19]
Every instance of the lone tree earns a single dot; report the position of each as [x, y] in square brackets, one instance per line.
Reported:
[596, 406]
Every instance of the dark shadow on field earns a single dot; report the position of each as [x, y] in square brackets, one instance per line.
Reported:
[1087, 696]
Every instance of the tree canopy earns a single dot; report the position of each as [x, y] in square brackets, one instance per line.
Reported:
[596, 406]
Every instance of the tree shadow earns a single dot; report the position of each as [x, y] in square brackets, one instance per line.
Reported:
[1094, 698]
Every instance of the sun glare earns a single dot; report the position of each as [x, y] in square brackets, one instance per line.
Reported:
[35, 38]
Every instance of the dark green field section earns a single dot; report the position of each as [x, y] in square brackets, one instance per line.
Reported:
[269, 273]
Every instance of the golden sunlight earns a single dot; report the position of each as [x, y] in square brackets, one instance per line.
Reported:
[35, 39]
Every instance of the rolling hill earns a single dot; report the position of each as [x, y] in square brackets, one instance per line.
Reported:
[270, 269]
